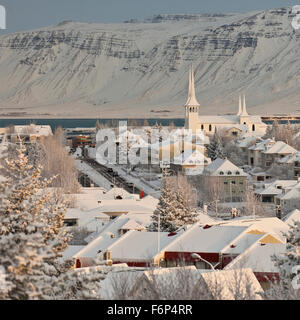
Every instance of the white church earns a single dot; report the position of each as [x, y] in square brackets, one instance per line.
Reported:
[241, 123]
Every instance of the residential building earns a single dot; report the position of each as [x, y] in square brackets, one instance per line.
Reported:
[232, 178]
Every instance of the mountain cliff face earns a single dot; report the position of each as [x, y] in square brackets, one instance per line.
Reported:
[140, 69]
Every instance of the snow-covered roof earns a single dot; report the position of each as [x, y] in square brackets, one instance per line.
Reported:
[275, 188]
[272, 225]
[242, 242]
[261, 146]
[124, 278]
[219, 166]
[71, 251]
[92, 219]
[41, 130]
[291, 217]
[291, 194]
[280, 147]
[132, 225]
[258, 257]
[235, 284]
[243, 143]
[227, 119]
[290, 158]
[200, 239]
[139, 246]
[190, 157]
[110, 234]
[125, 206]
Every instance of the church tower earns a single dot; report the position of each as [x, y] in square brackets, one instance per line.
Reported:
[192, 105]
[244, 116]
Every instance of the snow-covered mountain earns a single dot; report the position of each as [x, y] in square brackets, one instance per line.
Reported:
[140, 69]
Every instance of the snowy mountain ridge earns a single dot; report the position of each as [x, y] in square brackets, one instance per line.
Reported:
[140, 69]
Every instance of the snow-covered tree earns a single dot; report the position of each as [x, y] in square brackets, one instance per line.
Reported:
[32, 236]
[215, 148]
[288, 287]
[166, 209]
[173, 208]
[184, 213]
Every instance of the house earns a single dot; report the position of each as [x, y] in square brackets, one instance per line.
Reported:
[289, 199]
[292, 161]
[141, 249]
[258, 258]
[92, 220]
[228, 175]
[276, 152]
[268, 152]
[99, 243]
[190, 162]
[28, 133]
[182, 283]
[255, 152]
[237, 284]
[114, 202]
[269, 191]
[207, 241]
[292, 217]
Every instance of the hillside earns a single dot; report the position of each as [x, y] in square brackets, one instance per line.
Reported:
[140, 69]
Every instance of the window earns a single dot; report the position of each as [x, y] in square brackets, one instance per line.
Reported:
[253, 127]
[225, 182]
[237, 173]
[221, 173]
[229, 173]
[233, 182]
[210, 127]
[202, 127]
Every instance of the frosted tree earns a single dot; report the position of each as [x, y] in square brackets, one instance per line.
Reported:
[32, 236]
[24, 234]
[288, 287]
[173, 210]
[166, 209]
[184, 214]
[215, 148]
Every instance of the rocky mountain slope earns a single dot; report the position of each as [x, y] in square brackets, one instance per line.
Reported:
[140, 69]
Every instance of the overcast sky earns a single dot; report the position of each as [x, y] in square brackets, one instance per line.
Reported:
[31, 14]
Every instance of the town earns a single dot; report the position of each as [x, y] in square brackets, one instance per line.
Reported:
[206, 211]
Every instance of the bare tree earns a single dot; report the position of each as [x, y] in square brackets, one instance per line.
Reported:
[252, 204]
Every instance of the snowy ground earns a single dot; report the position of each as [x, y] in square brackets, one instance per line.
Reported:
[93, 175]
[146, 186]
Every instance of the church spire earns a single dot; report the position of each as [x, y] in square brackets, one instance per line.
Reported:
[240, 105]
[244, 111]
[192, 100]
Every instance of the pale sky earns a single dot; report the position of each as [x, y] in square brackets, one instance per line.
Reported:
[31, 14]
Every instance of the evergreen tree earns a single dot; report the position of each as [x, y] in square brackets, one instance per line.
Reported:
[166, 209]
[173, 208]
[32, 237]
[184, 214]
[215, 148]
[289, 268]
